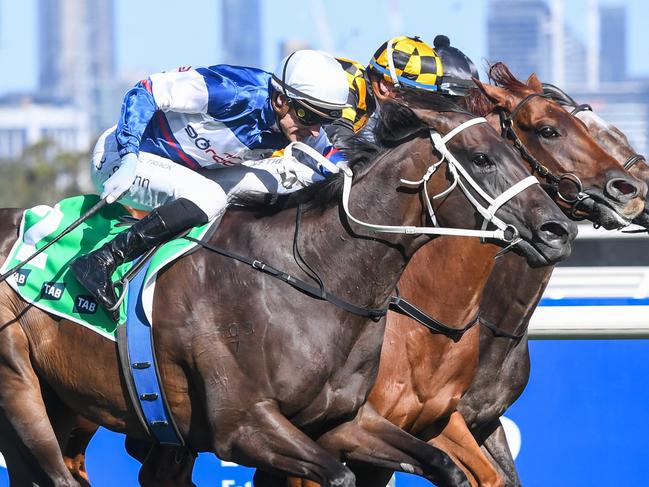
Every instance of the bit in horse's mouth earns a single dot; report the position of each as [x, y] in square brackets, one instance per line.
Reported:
[604, 212]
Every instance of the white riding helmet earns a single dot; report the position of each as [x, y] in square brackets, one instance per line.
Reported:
[315, 79]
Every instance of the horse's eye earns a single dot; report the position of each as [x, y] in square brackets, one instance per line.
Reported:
[481, 160]
[548, 132]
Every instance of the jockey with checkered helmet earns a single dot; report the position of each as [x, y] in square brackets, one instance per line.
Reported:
[400, 62]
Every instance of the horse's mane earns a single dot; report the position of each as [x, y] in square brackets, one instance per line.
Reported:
[397, 122]
[558, 95]
[499, 74]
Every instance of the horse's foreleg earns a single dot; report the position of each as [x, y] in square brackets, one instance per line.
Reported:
[167, 466]
[74, 452]
[24, 417]
[372, 440]
[267, 440]
[495, 445]
[457, 441]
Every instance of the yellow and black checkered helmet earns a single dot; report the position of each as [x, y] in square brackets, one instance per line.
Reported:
[408, 61]
[361, 102]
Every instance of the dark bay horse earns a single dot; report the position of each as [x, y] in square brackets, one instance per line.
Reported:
[422, 375]
[504, 366]
[305, 365]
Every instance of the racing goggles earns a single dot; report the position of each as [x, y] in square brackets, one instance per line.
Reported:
[309, 115]
[450, 85]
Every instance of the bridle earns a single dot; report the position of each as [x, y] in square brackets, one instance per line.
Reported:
[504, 232]
[553, 181]
[633, 159]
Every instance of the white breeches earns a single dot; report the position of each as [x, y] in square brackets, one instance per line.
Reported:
[159, 180]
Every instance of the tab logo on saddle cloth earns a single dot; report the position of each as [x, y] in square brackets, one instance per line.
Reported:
[52, 290]
[85, 305]
[21, 276]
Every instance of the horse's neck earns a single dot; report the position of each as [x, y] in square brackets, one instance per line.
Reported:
[354, 263]
[463, 266]
[513, 292]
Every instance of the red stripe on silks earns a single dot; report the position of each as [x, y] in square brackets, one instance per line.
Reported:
[147, 85]
[330, 151]
[167, 135]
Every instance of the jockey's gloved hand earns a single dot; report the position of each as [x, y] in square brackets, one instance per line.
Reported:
[121, 181]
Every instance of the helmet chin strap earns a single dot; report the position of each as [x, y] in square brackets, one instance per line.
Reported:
[393, 71]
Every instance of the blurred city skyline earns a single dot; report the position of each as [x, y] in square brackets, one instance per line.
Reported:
[68, 63]
[155, 35]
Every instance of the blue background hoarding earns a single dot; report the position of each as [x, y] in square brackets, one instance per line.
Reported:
[582, 422]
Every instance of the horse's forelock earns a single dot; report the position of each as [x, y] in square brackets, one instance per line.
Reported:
[398, 120]
[476, 102]
[501, 76]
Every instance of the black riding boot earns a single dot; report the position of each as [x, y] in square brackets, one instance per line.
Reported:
[94, 271]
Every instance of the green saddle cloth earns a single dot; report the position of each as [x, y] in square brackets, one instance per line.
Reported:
[47, 282]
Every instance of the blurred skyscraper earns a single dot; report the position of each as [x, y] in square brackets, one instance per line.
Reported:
[519, 34]
[573, 62]
[531, 36]
[612, 43]
[76, 48]
[290, 45]
[241, 32]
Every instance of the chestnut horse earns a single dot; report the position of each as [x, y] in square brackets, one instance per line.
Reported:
[504, 366]
[306, 365]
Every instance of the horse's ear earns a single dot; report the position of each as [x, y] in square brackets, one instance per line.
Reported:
[428, 118]
[498, 96]
[534, 83]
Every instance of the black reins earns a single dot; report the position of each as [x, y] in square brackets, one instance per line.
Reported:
[318, 292]
[396, 303]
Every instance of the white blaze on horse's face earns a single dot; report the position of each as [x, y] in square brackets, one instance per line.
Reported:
[607, 135]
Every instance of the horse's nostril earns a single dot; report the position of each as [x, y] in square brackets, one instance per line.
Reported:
[621, 187]
[554, 231]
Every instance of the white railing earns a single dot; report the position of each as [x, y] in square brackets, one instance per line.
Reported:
[595, 302]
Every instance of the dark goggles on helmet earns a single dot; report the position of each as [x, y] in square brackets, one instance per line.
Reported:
[309, 115]
[450, 85]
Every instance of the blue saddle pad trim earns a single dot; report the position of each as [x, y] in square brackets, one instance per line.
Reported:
[144, 369]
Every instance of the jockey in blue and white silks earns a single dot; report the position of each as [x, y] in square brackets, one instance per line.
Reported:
[190, 139]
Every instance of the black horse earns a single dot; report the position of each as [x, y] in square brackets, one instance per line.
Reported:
[303, 365]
